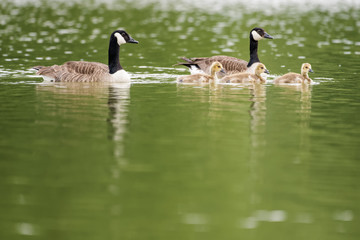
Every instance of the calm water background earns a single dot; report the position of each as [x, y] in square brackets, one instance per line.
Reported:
[157, 160]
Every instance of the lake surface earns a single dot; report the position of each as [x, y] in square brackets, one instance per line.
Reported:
[157, 160]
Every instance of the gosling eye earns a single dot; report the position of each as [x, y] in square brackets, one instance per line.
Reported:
[262, 67]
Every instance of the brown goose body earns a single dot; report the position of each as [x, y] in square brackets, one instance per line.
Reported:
[76, 71]
[231, 64]
[203, 77]
[296, 77]
[245, 77]
[81, 71]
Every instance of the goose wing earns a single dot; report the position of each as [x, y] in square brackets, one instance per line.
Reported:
[85, 67]
[75, 71]
[230, 64]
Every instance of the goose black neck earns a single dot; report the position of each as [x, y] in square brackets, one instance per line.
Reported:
[253, 52]
[114, 61]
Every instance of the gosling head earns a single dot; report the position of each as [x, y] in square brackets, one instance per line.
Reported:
[217, 67]
[122, 37]
[306, 68]
[258, 33]
[260, 69]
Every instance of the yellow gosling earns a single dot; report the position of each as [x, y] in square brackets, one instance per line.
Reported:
[247, 77]
[295, 77]
[202, 77]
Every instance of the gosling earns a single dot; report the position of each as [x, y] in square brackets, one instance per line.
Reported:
[202, 77]
[247, 77]
[295, 77]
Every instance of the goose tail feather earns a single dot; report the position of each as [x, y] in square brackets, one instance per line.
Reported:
[188, 63]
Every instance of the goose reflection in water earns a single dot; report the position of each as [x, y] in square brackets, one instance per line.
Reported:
[75, 98]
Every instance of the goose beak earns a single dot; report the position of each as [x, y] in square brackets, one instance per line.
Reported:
[310, 70]
[131, 40]
[266, 71]
[266, 35]
[222, 71]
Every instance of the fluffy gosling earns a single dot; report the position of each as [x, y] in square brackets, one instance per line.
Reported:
[202, 77]
[295, 77]
[247, 77]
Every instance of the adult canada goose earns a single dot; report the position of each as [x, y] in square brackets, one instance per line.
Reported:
[231, 64]
[81, 71]
[295, 77]
[245, 77]
[202, 77]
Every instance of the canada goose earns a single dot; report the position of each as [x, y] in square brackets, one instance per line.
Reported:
[202, 77]
[81, 71]
[231, 64]
[247, 77]
[295, 77]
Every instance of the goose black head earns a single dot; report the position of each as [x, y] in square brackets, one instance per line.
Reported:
[258, 34]
[123, 37]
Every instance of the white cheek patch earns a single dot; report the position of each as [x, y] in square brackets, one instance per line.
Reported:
[256, 36]
[120, 39]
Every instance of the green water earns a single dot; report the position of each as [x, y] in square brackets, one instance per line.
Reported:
[157, 160]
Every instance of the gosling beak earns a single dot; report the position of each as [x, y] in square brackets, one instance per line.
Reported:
[266, 35]
[222, 71]
[310, 70]
[266, 71]
[131, 40]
